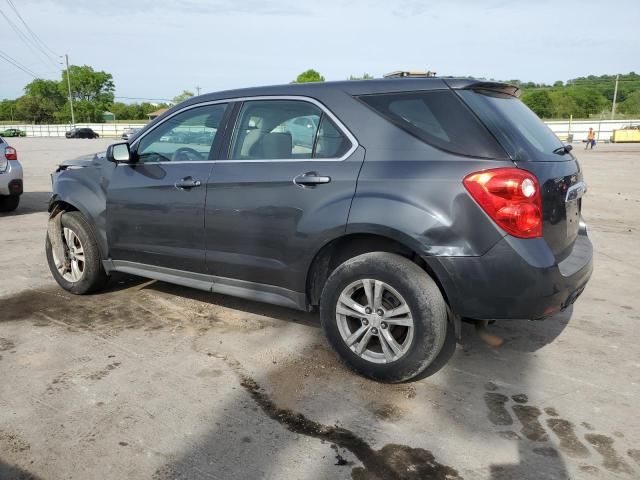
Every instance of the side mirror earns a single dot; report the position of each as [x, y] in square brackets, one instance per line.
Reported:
[119, 153]
[568, 147]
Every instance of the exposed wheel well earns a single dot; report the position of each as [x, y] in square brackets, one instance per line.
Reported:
[62, 205]
[340, 250]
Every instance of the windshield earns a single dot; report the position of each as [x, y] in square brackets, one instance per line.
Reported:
[520, 130]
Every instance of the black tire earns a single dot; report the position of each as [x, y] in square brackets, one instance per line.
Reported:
[422, 296]
[8, 203]
[94, 277]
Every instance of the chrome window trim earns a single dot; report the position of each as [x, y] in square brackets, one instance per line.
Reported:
[345, 131]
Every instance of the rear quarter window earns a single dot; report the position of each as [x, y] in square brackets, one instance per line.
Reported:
[520, 130]
[438, 118]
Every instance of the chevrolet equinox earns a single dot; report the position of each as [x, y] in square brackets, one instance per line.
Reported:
[394, 206]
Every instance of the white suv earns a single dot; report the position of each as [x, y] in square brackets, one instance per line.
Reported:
[10, 177]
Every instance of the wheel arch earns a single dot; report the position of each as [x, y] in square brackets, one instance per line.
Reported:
[68, 203]
[340, 249]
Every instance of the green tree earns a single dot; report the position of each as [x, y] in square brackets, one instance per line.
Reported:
[45, 89]
[563, 105]
[309, 76]
[183, 96]
[147, 108]
[8, 110]
[539, 101]
[365, 76]
[589, 100]
[631, 104]
[92, 93]
[41, 101]
[36, 109]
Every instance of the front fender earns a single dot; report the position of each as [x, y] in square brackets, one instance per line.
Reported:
[82, 189]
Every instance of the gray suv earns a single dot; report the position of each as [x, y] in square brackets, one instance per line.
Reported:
[417, 202]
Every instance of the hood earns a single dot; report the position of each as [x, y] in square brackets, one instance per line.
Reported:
[90, 160]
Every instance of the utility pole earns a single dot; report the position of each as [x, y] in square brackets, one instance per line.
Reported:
[615, 95]
[198, 90]
[73, 118]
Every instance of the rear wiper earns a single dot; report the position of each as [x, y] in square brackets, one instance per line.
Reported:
[563, 149]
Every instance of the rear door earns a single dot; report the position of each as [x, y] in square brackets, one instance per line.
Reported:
[155, 206]
[535, 148]
[283, 190]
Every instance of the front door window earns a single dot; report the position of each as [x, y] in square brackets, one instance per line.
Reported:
[185, 137]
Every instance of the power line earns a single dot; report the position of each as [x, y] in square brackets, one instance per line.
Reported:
[17, 64]
[27, 41]
[33, 34]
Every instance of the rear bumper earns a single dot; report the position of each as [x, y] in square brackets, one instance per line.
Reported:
[516, 279]
[11, 179]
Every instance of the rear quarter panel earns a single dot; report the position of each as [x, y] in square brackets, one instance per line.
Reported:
[413, 192]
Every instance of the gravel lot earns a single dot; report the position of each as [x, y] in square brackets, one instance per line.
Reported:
[150, 380]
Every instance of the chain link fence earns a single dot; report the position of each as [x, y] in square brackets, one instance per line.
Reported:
[108, 130]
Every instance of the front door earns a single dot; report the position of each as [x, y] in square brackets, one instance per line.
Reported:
[284, 189]
[155, 205]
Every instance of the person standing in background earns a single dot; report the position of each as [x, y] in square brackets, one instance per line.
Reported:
[591, 138]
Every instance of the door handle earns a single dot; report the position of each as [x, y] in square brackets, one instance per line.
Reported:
[187, 183]
[310, 179]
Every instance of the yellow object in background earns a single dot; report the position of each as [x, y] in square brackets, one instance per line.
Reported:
[626, 135]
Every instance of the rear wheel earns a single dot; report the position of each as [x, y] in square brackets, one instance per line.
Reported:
[8, 203]
[384, 316]
[81, 270]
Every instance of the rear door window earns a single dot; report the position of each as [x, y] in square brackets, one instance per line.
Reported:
[285, 130]
[438, 118]
[275, 130]
[331, 142]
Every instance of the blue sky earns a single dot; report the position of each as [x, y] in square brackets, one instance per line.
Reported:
[157, 48]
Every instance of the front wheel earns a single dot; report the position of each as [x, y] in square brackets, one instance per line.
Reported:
[81, 270]
[384, 316]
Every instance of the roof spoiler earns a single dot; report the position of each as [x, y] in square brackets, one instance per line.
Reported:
[470, 84]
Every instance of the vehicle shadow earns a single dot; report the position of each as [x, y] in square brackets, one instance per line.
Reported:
[30, 202]
[12, 472]
[489, 383]
[310, 319]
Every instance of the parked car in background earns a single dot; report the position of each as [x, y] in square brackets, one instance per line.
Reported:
[81, 133]
[303, 130]
[13, 132]
[10, 177]
[129, 132]
[420, 201]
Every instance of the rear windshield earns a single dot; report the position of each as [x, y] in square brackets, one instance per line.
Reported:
[515, 125]
[438, 118]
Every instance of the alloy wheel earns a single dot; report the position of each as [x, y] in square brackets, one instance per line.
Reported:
[374, 321]
[73, 270]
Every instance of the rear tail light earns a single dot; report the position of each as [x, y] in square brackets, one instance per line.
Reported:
[511, 197]
[10, 153]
